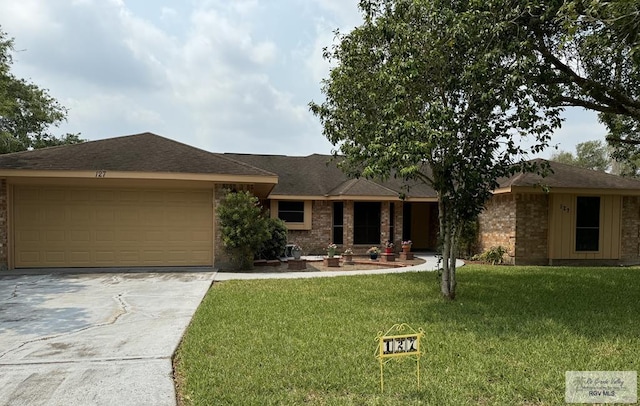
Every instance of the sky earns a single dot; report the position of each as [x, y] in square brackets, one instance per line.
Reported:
[221, 75]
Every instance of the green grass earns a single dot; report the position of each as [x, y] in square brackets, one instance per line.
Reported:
[507, 339]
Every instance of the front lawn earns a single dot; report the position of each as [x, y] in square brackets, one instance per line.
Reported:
[508, 338]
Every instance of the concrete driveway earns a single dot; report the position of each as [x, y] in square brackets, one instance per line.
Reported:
[93, 339]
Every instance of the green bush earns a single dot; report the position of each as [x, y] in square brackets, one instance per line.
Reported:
[274, 246]
[243, 227]
[494, 255]
[468, 242]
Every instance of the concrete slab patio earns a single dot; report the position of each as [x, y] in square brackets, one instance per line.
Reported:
[94, 339]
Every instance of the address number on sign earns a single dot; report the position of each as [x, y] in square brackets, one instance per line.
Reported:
[101, 174]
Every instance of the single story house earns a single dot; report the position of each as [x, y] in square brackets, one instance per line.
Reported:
[145, 200]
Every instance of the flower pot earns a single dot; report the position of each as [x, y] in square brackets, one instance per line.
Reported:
[373, 256]
[406, 248]
[331, 252]
[331, 262]
[348, 258]
[388, 250]
[296, 254]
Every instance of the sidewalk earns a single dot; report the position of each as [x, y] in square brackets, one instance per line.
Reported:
[430, 265]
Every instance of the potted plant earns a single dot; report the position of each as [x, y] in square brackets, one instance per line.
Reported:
[406, 246]
[331, 250]
[296, 251]
[373, 252]
[388, 247]
[348, 256]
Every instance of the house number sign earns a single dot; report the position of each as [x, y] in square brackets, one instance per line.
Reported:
[101, 174]
[398, 342]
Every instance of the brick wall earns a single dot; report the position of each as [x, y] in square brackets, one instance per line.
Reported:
[497, 224]
[315, 241]
[519, 223]
[4, 227]
[532, 229]
[630, 252]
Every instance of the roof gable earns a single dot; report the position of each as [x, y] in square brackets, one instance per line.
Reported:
[319, 175]
[568, 176]
[144, 152]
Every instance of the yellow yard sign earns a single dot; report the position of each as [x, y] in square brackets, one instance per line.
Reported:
[399, 341]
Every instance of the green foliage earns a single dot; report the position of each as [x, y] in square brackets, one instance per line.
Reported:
[494, 255]
[274, 246]
[429, 91]
[589, 154]
[468, 241]
[243, 227]
[26, 111]
[507, 340]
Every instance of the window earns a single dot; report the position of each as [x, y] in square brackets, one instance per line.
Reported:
[291, 212]
[587, 223]
[295, 213]
[338, 223]
[366, 223]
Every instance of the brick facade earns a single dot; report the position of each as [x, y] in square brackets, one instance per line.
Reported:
[532, 229]
[630, 233]
[519, 223]
[497, 224]
[315, 241]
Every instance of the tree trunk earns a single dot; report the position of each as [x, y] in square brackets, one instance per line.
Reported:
[448, 233]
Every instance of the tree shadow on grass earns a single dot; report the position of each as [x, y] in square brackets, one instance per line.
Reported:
[591, 302]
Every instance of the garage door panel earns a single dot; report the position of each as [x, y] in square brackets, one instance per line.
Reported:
[28, 236]
[201, 236]
[57, 257]
[104, 236]
[111, 227]
[54, 236]
[201, 256]
[80, 215]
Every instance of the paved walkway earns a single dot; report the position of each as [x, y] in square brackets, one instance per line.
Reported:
[430, 264]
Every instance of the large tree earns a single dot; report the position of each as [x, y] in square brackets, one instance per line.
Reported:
[27, 112]
[588, 54]
[589, 154]
[411, 94]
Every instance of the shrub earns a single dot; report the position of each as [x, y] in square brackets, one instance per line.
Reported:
[494, 255]
[274, 246]
[468, 243]
[243, 227]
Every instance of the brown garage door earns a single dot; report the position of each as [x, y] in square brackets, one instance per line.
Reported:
[93, 227]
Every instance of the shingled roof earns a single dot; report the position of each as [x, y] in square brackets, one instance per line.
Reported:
[144, 152]
[318, 175]
[570, 177]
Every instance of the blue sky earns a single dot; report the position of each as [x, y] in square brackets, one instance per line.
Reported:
[222, 75]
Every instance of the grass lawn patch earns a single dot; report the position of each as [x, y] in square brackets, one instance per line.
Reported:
[507, 339]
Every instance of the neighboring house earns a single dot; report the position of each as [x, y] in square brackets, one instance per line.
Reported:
[144, 200]
[571, 216]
